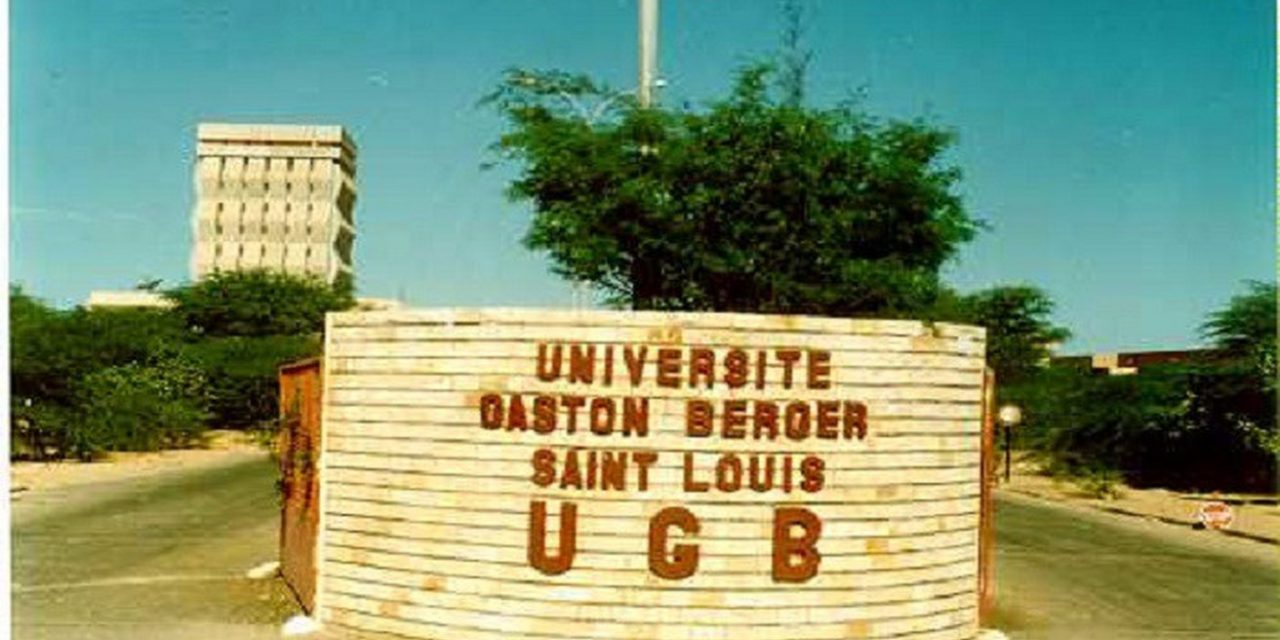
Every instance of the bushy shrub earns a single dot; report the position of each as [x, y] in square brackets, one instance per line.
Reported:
[139, 407]
[40, 430]
[54, 353]
[1227, 437]
[1085, 423]
[1201, 426]
[52, 349]
[242, 373]
[245, 324]
[258, 303]
[1103, 484]
[92, 380]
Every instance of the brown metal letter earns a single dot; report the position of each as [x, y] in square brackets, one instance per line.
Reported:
[538, 558]
[549, 367]
[684, 557]
[669, 368]
[805, 547]
[491, 411]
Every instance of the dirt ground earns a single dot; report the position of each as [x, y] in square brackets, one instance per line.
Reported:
[1256, 516]
[222, 445]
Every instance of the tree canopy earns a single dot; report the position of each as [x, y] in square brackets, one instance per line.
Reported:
[52, 348]
[257, 303]
[1246, 322]
[87, 380]
[753, 203]
[1246, 328]
[1020, 330]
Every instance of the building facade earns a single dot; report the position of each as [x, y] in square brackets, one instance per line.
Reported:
[131, 298]
[1131, 362]
[276, 197]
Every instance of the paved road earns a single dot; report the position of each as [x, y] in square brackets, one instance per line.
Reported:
[1068, 574]
[165, 557]
[161, 557]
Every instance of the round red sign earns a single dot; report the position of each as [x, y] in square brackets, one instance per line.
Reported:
[1215, 515]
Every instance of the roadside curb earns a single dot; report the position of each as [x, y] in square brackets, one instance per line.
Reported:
[1138, 514]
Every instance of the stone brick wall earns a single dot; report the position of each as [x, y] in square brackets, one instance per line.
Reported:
[430, 475]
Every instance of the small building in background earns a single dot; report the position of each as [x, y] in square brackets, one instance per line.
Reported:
[379, 304]
[132, 298]
[137, 298]
[275, 197]
[1131, 362]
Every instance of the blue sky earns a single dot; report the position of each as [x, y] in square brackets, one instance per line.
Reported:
[1123, 152]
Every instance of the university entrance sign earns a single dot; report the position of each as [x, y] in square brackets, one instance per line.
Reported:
[520, 473]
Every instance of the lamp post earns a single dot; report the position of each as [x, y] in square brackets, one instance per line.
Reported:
[647, 45]
[1010, 416]
[590, 116]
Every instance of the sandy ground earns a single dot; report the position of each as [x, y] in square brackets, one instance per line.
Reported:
[222, 447]
[1256, 516]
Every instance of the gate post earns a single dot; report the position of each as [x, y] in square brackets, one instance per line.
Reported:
[299, 449]
[986, 519]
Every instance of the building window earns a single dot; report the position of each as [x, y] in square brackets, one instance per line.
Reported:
[217, 228]
[264, 229]
[217, 250]
[219, 207]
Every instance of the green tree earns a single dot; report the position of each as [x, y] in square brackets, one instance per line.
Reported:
[242, 374]
[1246, 328]
[755, 203]
[53, 353]
[51, 348]
[249, 323]
[258, 303]
[1205, 424]
[1020, 330]
[139, 407]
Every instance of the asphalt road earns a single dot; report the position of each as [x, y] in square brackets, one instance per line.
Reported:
[1070, 574]
[165, 557]
[160, 557]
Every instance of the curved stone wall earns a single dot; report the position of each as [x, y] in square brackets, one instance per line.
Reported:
[497, 473]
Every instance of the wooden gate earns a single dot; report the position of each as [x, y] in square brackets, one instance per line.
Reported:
[299, 449]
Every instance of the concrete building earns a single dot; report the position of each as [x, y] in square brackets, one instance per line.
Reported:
[278, 197]
[132, 298]
[1131, 362]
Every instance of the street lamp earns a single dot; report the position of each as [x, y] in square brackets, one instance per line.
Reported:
[590, 116]
[1010, 416]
